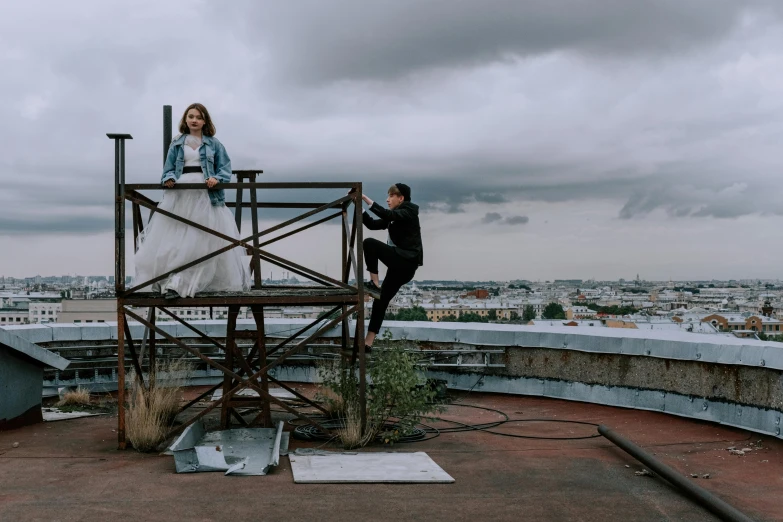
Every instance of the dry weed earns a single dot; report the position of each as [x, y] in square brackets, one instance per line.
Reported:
[351, 434]
[78, 397]
[151, 410]
[331, 402]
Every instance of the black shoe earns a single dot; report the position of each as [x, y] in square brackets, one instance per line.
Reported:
[372, 289]
[171, 294]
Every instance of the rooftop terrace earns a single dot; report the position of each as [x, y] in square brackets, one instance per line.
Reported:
[72, 471]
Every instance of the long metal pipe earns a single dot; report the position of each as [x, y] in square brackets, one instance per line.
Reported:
[166, 130]
[697, 493]
[166, 144]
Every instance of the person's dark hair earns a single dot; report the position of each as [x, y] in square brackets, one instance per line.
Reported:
[209, 127]
[400, 189]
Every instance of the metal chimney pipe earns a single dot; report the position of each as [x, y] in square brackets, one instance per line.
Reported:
[166, 130]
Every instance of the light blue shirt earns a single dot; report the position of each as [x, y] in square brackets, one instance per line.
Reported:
[215, 163]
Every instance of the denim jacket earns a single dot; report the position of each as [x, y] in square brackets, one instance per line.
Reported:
[215, 163]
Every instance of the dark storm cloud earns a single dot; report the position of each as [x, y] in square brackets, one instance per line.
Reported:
[315, 91]
[491, 217]
[721, 202]
[516, 220]
[381, 40]
[484, 197]
[495, 217]
[78, 225]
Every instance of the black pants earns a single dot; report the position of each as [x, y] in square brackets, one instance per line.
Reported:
[400, 271]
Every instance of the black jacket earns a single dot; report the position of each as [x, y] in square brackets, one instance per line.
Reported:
[404, 229]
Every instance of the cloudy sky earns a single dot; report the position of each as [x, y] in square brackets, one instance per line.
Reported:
[567, 139]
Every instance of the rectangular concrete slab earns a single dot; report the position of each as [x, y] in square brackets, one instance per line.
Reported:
[341, 468]
[66, 332]
[97, 332]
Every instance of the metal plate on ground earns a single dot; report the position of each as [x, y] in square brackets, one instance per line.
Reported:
[242, 451]
[54, 414]
[339, 468]
[278, 393]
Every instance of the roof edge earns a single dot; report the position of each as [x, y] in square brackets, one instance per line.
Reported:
[32, 350]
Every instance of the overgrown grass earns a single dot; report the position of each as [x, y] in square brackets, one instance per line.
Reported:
[78, 397]
[151, 409]
[336, 389]
[351, 434]
[397, 395]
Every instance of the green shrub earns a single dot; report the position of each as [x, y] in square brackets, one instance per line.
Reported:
[398, 395]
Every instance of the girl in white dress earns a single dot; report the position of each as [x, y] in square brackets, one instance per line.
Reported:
[195, 156]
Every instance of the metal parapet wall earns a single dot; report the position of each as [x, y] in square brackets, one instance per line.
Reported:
[737, 382]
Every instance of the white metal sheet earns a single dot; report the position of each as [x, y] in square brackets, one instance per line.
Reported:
[338, 468]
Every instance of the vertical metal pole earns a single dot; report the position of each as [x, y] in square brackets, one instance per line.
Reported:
[119, 275]
[258, 317]
[121, 216]
[119, 223]
[228, 381]
[166, 130]
[346, 272]
[258, 311]
[151, 311]
[254, 217]
[357, 222]
[152, 348]
[238, 208]
[120, 375]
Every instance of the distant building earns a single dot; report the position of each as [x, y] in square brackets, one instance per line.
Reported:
[744, 322]
[620, 323]
[88, 311]
[45, 310]
[478, 293]
[537, 304]
[436, 312]
[566, 322]
[579, 312]
[14, 315]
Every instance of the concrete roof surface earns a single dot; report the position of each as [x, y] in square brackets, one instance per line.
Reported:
[72, 471]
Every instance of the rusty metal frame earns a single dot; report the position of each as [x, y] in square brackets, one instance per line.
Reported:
[251, 369]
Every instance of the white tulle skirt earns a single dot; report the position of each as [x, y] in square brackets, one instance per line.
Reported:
[167, 244]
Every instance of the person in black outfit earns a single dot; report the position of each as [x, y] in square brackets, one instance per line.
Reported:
[402, 253]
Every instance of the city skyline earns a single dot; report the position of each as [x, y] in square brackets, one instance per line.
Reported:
[562, 281]
[595, 141]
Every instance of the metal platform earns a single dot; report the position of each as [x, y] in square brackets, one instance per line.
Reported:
[243, 366]
[302, 296]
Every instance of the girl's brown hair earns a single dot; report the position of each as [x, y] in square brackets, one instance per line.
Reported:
[209, 127]
[394, 191]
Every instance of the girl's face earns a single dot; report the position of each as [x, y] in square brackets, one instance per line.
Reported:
[194, 120]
